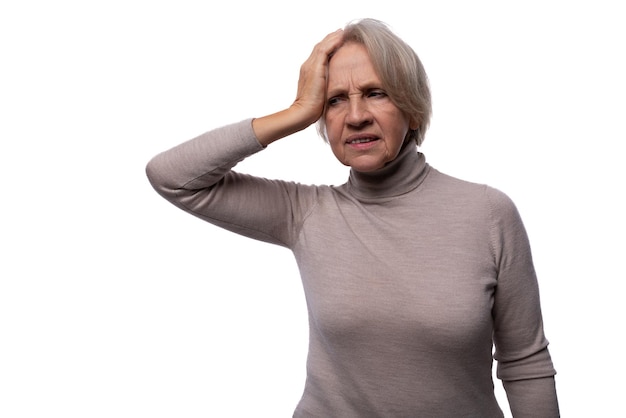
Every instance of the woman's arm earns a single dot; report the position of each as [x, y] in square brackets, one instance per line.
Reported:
[196, 175]
[524, 363]
[532, 398]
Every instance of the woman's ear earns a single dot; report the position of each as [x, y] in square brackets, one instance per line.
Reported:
[414, 123]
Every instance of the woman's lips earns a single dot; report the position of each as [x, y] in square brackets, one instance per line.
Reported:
[363, 144]
[361, 139]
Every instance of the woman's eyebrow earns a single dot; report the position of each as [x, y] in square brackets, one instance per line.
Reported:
[364, 87]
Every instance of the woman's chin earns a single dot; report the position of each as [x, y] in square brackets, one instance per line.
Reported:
[366, 164]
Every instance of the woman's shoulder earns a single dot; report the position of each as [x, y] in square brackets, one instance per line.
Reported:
[457, 185]
[493, 200]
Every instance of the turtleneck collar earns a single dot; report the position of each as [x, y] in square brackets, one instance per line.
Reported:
[403, 174]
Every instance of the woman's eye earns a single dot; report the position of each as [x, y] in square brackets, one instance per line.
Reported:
[376, 93]
[333, 101]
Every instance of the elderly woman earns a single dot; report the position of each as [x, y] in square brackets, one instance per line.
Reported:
[411, 276]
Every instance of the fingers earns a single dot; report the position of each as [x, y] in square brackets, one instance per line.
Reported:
[317, 62]
[331, 42]
[326, 47]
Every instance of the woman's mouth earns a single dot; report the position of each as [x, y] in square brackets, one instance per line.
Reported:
[361, 139]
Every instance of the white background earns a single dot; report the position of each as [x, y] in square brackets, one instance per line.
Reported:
[113, 303]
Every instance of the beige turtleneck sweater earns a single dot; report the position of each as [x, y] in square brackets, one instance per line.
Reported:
[410, 277]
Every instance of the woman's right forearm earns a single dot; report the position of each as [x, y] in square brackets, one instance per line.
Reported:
[278, 125]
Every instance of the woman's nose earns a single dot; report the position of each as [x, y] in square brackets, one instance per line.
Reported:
[358, 113]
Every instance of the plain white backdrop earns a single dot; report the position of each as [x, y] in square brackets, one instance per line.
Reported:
[113, 303]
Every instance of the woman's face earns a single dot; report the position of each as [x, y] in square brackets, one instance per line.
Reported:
[364, 127]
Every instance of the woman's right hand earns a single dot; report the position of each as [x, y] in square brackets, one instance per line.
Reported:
[311, 96]
[310, 100]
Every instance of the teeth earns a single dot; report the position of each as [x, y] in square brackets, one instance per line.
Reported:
[360, 141]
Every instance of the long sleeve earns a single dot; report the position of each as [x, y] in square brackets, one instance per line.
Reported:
[197, 177]
[202, 161]
[524, 363]
[532, 398]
